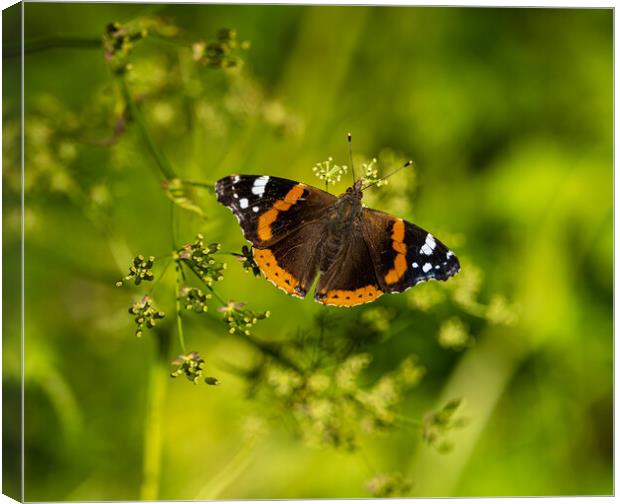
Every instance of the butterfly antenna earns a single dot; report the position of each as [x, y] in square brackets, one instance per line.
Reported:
[351, 157]
[408, 163]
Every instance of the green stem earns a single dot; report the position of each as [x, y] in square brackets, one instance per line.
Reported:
[55, 42]
[178, 306]
[162, 162]
[217, 296]
[153, 422]
[228, 474]
[210, 186]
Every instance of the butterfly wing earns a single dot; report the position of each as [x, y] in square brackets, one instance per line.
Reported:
[292, 264]
[352, 280]
[270, 208]
[405, 254]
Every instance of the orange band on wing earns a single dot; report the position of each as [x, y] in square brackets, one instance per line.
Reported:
[274, 273]
[270, 216]
[400, 261]
[350, 297]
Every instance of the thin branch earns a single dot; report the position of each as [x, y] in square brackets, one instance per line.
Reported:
[54, 42]
[178, 309]
[162, 162]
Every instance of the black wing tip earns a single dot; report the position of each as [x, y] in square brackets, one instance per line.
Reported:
[451, 269]
[222, 187]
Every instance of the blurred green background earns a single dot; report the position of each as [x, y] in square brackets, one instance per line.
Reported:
[507, 114]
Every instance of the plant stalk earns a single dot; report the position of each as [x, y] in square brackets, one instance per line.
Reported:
[153, 422]
[56, 42]
[162, 162]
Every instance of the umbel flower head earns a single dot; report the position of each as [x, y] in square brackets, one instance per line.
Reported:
[247, 260]
[145, 314]
[241, 320]
[191, 365]
[219, 53]
[330, 173]
[371, 174]
[198, 257]
[194, 299]
[141, 269]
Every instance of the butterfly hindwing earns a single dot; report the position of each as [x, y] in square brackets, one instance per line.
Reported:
[352, 281]
[270, 208]
[291, 264]
[405, 254]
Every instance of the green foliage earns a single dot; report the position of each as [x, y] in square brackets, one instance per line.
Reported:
[182, 195]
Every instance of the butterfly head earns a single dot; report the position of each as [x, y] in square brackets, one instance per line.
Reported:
[354, 193]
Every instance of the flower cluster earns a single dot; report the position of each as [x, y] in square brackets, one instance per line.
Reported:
[119, 39]
[141, 269]
[453, 334]
[371, 173]
[191, 366]
[247, 260]
[328, 404]
[458, 332]
[500, 312]
[330, 173]
[145, 314]
[194, 299]
[388, 485]
[198, 257]
[239, 319]
[437, 425]
[219, 53]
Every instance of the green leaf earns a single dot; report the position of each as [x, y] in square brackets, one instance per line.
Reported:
[182, 196]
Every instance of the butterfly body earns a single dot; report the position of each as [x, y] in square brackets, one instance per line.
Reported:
[299, 231]
[344, 216]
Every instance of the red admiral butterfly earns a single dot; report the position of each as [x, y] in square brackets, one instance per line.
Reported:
[298, 231]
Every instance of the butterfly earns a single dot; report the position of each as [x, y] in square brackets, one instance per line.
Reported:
[298, 232]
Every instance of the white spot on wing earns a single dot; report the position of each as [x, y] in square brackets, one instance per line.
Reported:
[258, 187]
[255, 209]
[243, 203]
[415, 264]
[427, 267]
[449, 254]
[429, 244]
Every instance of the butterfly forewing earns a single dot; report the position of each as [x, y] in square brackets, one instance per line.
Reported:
[405, 254]
[270, 208]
